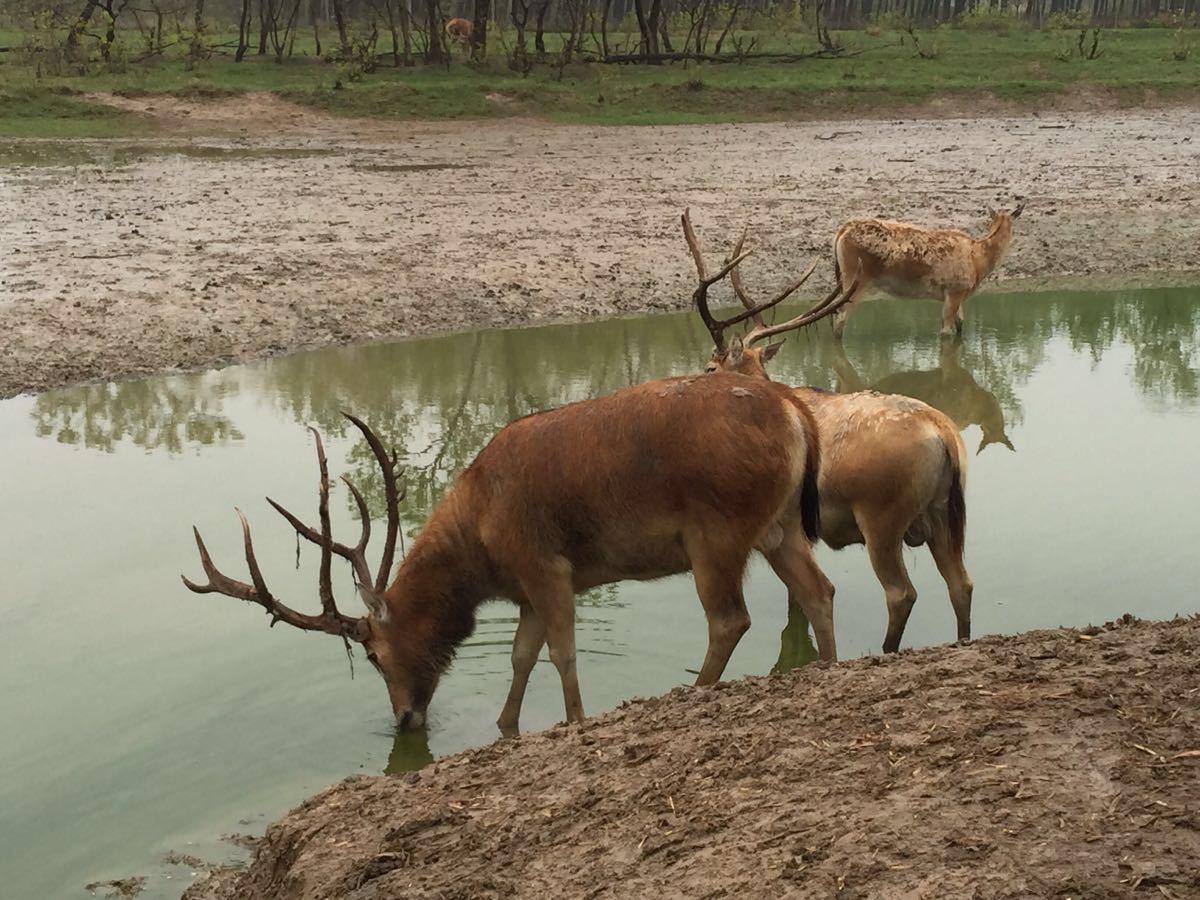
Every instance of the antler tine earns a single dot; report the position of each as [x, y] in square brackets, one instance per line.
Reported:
[735, 278]
[219, 583]
[387, 464]
[324, 577]
[716, 327]
[831, 304]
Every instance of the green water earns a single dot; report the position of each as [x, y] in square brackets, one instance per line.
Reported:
[139, 719]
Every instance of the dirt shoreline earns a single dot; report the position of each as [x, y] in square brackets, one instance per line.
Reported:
[340, 231]
[1049, 764]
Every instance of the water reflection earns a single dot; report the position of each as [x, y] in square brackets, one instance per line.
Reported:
[950, 387]
[796, 647]
[159, 414]
[438, 401]
[410, 751]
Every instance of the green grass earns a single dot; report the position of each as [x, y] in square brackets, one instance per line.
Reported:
[1021, 66]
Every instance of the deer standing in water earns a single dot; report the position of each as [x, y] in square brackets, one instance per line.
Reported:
[657, 479]
[893, 470]
[460, 31]
[910, 261]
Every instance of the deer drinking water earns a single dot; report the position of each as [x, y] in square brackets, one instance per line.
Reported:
[910, 261]
[893, 470]
[654, 480]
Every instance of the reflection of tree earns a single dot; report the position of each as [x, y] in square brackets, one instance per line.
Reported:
[157, 414]
[796, 646]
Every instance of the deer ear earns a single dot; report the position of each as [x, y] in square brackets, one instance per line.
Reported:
[770, 350]
[1019, 209]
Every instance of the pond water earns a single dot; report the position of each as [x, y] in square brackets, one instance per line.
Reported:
[138, 719]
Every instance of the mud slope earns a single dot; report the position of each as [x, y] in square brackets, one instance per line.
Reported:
[200, 251]
[1052, 764]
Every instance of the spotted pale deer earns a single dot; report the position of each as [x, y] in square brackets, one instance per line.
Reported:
[460, 31]
[657, 479]
[910, 261]
[893, 470]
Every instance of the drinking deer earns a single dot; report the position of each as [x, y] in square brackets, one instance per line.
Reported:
[893, 469]
[685, 473]
[460, 32]
[910, 261]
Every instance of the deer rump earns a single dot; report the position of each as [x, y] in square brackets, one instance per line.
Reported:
[632, 485]
[888, 453]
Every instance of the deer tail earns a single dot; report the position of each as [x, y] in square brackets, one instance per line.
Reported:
[810, 498]
[956, 501]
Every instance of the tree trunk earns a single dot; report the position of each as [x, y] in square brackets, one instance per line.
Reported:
[539, 38]
[243, 32]
[81, 24]
[339, 16]
[479, 30]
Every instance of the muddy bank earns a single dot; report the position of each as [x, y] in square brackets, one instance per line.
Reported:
[1055, 763]
[122, 263]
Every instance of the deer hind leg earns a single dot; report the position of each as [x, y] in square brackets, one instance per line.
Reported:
[551, 594]
[527, 644]
[718, 572]
[885, 548]
[808, 588]
[958, 582]
[952, 312]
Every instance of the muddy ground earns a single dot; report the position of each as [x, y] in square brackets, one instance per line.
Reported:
[1051, 764]
[281, 228]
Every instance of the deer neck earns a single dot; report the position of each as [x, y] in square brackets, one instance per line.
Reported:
[442, 581]
[990, 250]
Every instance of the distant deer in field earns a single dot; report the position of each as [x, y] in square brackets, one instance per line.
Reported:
[893, 470]
[950, 388]
[910, 261]
[459, 31]
[657, 479]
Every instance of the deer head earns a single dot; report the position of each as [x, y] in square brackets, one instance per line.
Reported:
[739, 353]
[410, 674]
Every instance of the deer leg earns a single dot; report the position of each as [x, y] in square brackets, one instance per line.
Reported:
[718, 574]
[552, 596]
[527, 644]
[952, 314]
[958, 582]
[808, 588]
[884, 547]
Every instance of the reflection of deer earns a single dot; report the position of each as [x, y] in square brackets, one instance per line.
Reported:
[893, 470]
[671, 476]
[795, 646]
[459, 31]
[950, 388]
[910, 261]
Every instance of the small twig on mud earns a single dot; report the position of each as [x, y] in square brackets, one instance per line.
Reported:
[101, 255]
[835, 134]
[1153, 753]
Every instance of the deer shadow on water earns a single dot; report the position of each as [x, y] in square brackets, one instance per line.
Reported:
[949, 388]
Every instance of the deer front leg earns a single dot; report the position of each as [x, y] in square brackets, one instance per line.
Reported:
[552, 596]
[527, 644]
[952, 314]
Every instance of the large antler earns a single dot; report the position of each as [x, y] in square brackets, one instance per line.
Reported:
[717, 327]
[331, 620]
[761, 329]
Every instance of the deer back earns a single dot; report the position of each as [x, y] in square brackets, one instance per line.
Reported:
[906, 260]
[609, 485]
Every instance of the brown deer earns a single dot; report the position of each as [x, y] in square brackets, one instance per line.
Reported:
[460, 31]
[893, 469]
[657, 479]
[910, 261]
